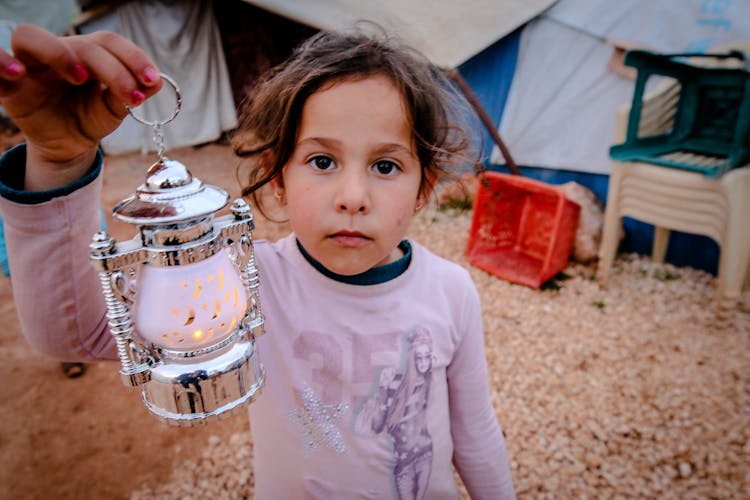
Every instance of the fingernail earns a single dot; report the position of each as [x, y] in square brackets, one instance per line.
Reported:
[150, 75]
[14, 69]
[80, 73]
[137, 97]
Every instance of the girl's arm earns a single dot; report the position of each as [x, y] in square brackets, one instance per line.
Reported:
[65, 94]
[55, 287]
[479, 447]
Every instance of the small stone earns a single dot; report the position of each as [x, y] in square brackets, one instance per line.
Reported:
[593, 460]
[685, 470]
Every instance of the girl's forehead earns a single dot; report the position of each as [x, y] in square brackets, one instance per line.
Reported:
[371, 106]
[364, 85]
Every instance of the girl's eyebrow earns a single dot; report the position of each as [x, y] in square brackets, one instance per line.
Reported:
[385, 148]
[320, 141]
[394, 148]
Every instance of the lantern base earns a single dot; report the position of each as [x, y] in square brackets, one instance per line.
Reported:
[197, 390]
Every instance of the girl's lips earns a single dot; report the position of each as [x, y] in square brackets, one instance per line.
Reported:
[349, 238]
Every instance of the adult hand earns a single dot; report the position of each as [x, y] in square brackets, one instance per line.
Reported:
[67, 93]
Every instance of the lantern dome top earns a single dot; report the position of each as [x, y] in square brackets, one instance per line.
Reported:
[169, 195]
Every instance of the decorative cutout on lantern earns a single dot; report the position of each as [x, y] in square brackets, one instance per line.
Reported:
[189, 342]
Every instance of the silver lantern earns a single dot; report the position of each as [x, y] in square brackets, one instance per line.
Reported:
[182, 297]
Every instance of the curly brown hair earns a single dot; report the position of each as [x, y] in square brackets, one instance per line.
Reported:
[271, 117]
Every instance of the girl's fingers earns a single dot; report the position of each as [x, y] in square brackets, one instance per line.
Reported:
[139, 64]
[10, 67]
[106, 68]
[38, 49]
[124, 69]
[109, 58]
[11, 70]
[114, 105]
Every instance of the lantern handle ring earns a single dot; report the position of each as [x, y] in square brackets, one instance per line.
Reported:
[178, 104]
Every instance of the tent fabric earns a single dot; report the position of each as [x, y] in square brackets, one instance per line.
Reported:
[489, 74]
[446, 31]
[561, 105]
[183, 39]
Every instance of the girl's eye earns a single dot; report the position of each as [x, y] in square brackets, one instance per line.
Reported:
[321, 163]
[385, 167]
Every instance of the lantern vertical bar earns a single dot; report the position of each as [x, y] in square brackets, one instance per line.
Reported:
[102, 249]
[253, 321]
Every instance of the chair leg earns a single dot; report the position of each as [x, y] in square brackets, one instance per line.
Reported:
[734, 261]
[611, 229]
[734, 264]
[661, 240]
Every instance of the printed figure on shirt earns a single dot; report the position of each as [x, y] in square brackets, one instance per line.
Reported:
[399, 408]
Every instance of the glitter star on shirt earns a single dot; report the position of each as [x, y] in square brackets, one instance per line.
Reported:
[318, 422]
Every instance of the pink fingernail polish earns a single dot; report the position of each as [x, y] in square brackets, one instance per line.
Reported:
[80, 73]
[14, 69]
[150, 75]
[137, 97]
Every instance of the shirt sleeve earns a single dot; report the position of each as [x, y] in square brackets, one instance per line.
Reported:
[479, 446]
[56, 289]
[13, 171]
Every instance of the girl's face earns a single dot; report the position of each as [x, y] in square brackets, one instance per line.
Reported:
[352, 183]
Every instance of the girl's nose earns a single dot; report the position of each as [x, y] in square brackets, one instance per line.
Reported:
[352, 194]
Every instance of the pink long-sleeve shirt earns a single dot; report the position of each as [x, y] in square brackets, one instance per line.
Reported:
[372, 391]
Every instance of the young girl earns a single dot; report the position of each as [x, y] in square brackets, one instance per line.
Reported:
[377, 379]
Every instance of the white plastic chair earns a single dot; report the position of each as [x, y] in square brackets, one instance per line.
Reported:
[681, 200]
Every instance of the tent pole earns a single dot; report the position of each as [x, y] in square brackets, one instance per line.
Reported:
[455, 75]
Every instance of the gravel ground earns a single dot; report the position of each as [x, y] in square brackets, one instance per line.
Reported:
[632, 391]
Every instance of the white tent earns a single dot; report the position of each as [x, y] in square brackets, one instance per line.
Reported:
[561, 106]
[183, 39]
[448, 32]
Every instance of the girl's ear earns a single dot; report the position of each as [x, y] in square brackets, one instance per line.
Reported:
[276, 183]
[277, 188]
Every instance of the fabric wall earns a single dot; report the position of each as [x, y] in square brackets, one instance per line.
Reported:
[183, 39]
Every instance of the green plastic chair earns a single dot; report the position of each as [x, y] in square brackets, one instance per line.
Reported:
[710, 129]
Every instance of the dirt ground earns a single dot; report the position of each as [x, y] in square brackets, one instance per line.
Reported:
[631, 391]
[91, 437]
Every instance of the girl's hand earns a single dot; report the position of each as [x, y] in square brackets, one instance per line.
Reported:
[67, 93]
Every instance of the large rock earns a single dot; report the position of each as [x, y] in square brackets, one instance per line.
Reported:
[589, 233]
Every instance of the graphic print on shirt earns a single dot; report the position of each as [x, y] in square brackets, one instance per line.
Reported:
[399, 408]
[344, 367]
[328, 360]
[319, 422]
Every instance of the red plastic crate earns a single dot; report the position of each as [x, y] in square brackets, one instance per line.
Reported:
[522, 230]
